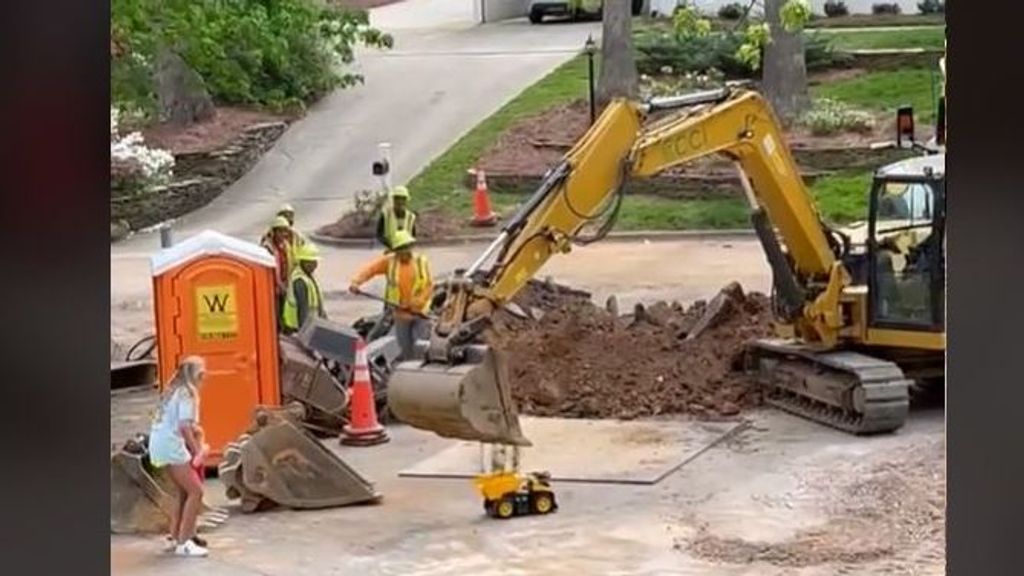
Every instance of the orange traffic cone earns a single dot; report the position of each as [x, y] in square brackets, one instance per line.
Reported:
[363, 428]
[482, 213]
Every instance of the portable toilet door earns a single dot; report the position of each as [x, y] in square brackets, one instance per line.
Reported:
[214, 298]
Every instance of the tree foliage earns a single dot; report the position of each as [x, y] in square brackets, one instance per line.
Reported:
[274, 53]
[688, 22]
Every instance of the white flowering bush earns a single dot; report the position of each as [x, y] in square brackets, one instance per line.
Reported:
[669, 85]
[133, 165]
[827, 117]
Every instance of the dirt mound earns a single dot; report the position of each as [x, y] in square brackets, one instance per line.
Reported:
[577, 359]
[430, 224]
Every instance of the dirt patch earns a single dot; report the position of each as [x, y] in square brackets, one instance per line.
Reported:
[225, 126]
[431, 223]
[892, 512]
[581, 360]
[533, 144]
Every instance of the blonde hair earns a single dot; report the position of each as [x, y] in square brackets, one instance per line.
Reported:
[188, 374]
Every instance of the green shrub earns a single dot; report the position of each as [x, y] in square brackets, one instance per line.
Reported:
[731, 11]
[659, 52]
[836, 8]
[931, 7]
[275, 53]
[828, 117]
[886, 8]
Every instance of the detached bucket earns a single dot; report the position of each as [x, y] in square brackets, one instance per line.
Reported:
[470, 401]
[281, 464]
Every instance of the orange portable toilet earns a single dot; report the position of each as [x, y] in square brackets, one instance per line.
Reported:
[214, 297]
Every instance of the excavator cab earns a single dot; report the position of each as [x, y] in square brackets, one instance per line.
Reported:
[906, 246]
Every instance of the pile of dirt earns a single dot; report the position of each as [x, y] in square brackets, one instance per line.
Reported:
[431, 223]
[573, 358]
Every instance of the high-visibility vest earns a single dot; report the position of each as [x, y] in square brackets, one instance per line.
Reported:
[393, 224]
[419, 284]
[290, 317]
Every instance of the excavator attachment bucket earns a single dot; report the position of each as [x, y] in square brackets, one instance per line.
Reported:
[282, 464]
[141, 500]
[468, 401]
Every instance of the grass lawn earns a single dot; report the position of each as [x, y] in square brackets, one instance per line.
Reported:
[872, 20]
[928, 38]
[443, 178]
[885, 91]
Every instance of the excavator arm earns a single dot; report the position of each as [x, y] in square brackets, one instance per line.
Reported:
[460, 389]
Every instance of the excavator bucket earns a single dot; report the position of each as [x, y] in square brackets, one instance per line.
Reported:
[142, 500]
[282, 464]
[468, 401]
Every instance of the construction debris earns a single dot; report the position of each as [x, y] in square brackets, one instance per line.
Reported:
[586, 361]
[278, 463]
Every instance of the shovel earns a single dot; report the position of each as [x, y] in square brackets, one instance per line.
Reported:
[402, 308]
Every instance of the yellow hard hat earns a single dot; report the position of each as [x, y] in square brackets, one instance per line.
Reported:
[400, 192]
[286, 209]
[280, 222]
[308, 252]
[403, 239]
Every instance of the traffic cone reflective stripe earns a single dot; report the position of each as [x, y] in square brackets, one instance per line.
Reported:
[363, 429]
[483, 215]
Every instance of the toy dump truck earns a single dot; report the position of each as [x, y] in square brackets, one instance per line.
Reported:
[508, 494]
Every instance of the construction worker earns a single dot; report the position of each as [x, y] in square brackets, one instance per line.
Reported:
[288, 212]
[280, 242]
[408, 291]
[395, 216]
[304, 296]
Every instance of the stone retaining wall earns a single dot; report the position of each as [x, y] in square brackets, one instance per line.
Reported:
[199, 178]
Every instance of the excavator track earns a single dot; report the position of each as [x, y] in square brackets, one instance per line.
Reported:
[846, 390]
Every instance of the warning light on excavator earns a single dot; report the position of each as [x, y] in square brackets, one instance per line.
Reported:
[905, 127]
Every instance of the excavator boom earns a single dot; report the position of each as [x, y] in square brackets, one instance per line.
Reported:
[458, 397]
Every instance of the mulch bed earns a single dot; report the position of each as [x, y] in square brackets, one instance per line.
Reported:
[225, 126]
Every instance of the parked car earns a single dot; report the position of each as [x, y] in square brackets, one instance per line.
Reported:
[574, 10]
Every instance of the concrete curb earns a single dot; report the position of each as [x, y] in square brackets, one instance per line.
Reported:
[637, 236]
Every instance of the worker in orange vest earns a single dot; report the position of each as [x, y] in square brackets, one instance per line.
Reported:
[408, 291]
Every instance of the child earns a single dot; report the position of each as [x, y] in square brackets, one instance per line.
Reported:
[173, 443]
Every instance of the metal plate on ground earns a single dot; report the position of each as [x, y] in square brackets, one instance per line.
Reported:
[599, 451]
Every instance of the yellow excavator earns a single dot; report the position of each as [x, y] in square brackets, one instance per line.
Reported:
[860, 323]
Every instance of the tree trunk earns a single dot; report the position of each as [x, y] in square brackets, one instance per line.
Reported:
[618, 77]
[784, 70]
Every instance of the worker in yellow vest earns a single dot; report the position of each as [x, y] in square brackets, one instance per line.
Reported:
[288, 212]
[304, 296]
[395, 216]
[408, 291]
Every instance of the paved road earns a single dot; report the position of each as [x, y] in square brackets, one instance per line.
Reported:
[444, 76]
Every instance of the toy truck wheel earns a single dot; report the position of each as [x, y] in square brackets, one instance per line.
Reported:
[543, 503]
[505, 508]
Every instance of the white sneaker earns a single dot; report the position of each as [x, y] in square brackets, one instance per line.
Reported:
[190, 548]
